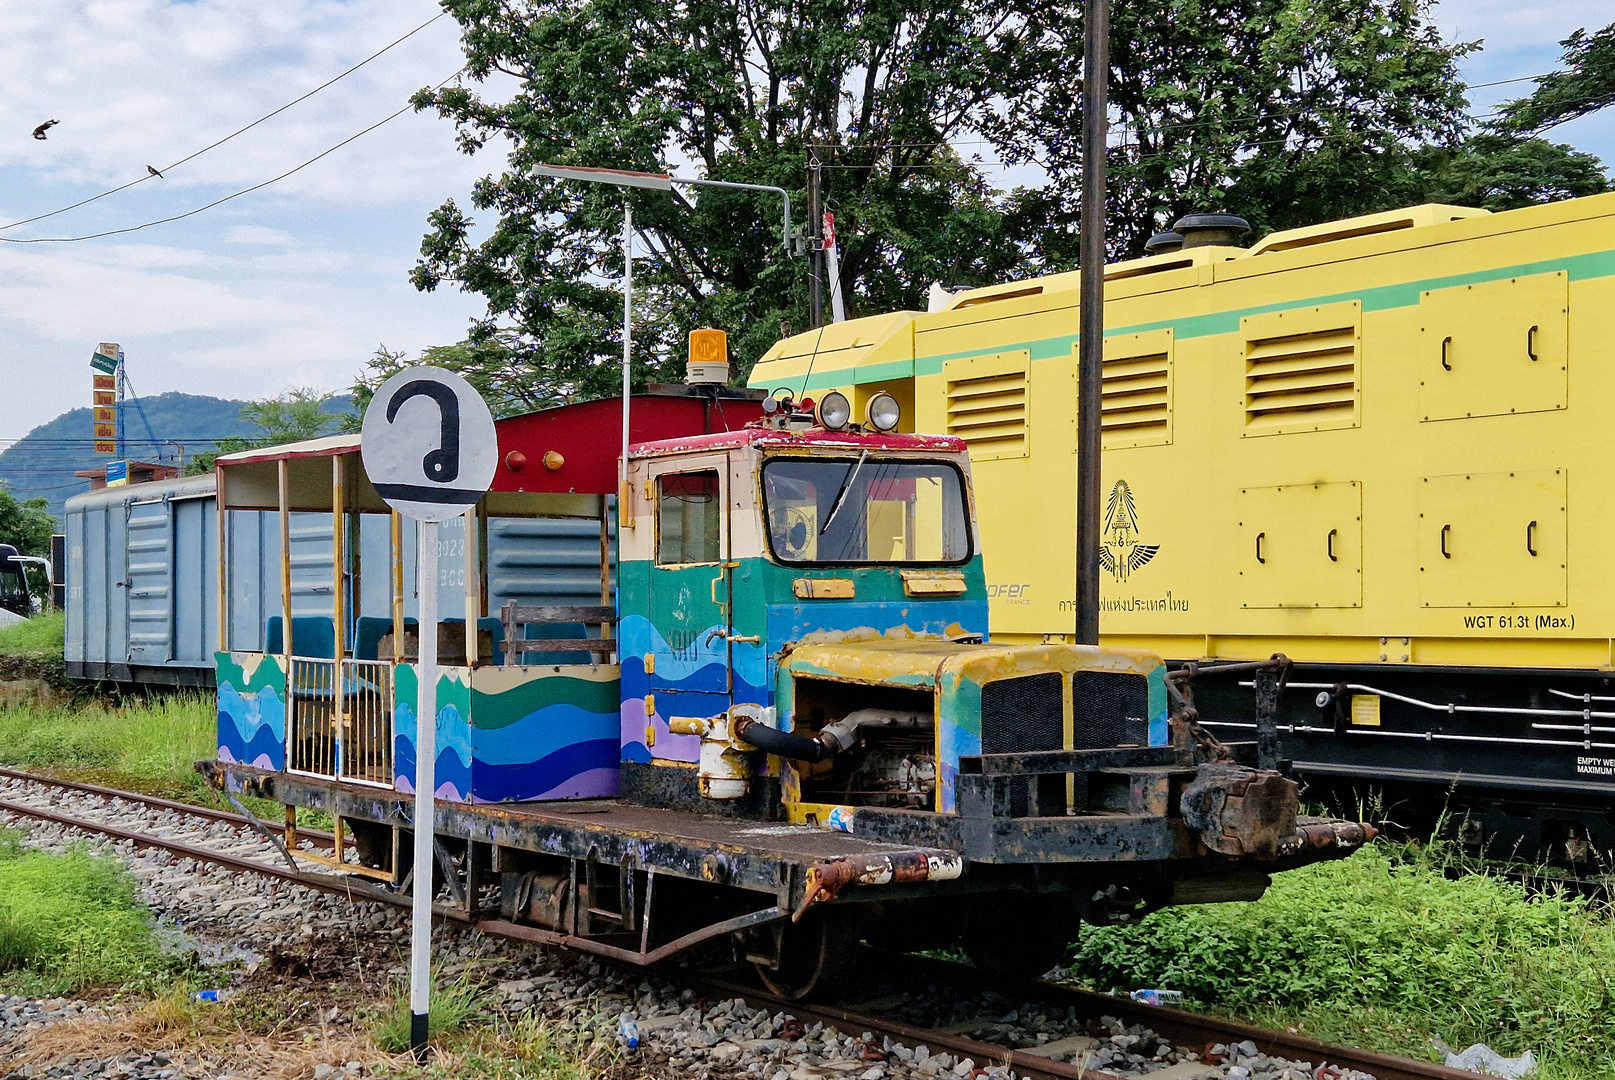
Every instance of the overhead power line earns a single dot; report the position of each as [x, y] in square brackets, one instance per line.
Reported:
[148, 176]
[226, 198]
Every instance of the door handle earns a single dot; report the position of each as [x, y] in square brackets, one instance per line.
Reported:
[1530, 535]
[1259, 537]
[1445, 529]
[1444, 343]
[1329, 545]
[1530, 343]
[715, 583]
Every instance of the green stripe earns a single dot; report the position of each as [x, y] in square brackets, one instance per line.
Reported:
[1596, 264]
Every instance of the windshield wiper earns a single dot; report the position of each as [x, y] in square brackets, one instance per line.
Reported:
[841, 496]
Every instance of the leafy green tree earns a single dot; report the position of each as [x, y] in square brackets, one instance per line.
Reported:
[26, 525]
[1585, 84]
[501, 365]
[1507, 163]
[741, 91]
[1503, 172]
[295, 415]
[1287, 112]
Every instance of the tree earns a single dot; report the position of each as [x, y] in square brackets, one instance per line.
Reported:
[295, 415]
[1506, 163]
[1503, 172]
[1584, 85]
[1286, 112]
[742, 89]
[501, 365]
[26, 526]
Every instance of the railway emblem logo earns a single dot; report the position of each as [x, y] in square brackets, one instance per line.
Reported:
[1120, 552]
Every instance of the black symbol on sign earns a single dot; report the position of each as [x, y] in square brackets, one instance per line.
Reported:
[442, 464]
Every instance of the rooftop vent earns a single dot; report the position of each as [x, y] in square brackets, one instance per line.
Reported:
[1203, 230]
[1163, 243]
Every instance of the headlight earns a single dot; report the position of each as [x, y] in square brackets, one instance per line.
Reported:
[834, 411]
[882, 412]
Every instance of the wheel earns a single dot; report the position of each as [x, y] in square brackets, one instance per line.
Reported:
[1016, 941]
[817, 956]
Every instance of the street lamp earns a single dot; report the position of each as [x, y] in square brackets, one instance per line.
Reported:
[627, 178]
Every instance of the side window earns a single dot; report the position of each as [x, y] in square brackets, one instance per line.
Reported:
[688, 518]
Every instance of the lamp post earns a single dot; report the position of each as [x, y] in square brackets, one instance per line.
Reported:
[627, 178]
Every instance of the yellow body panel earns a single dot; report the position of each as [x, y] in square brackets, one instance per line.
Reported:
[1358, 392]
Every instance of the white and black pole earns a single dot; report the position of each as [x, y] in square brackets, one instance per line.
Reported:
[430, 450]
[420, 907]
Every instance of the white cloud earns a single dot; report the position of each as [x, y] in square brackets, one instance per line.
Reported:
[137, 82]
[257, 234]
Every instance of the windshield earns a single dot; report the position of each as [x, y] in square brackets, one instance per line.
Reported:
[865, 510]
[12, 591]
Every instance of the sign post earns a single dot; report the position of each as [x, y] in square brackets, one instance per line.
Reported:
[430, 449]
[107, 362]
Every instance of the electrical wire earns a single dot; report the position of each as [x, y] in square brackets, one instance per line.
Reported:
[233, 134]
[227, 198]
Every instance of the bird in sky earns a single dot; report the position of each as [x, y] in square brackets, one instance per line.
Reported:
[154, 172]
[39, 132]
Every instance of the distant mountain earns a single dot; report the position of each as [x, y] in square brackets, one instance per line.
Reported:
[42, 463]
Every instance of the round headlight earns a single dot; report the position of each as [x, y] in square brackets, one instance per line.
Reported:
[834, 411]
[770, 404]
[882, 412]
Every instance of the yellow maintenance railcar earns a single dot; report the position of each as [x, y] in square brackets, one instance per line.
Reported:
[1374, 445]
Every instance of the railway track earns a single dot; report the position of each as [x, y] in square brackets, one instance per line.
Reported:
[1185, 1029]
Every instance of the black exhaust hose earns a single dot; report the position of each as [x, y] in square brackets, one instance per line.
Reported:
[782, 743]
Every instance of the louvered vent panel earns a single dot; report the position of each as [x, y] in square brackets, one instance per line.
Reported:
[987, 405]
[1137, 401]
[1301, 382]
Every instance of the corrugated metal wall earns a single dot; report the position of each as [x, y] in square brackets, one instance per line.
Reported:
[142, 581]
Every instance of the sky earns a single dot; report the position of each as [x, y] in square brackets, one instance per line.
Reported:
[297, 284]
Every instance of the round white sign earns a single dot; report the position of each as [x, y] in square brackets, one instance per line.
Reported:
[429, 444]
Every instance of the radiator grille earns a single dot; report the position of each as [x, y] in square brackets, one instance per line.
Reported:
[1301, 382]
[1108, 708]
[1137, 401]
[1022, 714]
[987, 404]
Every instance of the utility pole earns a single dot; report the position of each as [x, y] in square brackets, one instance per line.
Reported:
[815, 239]
[1091, 348]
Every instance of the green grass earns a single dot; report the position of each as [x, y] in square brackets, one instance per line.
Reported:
[70, 921]
[43, 635]
[147, 745]
[1384, 950]
[450, 1008]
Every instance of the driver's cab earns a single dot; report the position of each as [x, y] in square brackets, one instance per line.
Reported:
[743, 544]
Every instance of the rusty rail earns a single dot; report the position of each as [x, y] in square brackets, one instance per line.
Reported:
[318, 837]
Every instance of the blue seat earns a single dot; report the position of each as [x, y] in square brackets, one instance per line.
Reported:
[313, 636]
[368, 630]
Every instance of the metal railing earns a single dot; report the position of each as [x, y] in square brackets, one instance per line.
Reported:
[341, 728]
[367, 721]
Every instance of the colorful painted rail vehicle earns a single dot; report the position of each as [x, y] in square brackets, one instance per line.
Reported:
[778, 722]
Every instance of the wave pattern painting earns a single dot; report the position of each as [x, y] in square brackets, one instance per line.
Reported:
[516, 734]
[251, 710]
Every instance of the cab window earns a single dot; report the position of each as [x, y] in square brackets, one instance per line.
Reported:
[876, 511]
[688, 518]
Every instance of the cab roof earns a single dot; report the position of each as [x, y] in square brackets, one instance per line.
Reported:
[769, 438]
